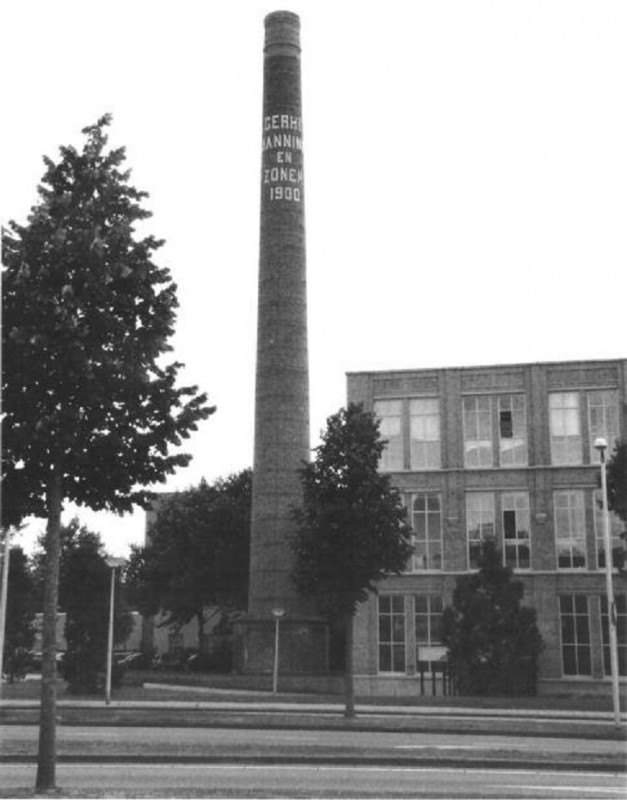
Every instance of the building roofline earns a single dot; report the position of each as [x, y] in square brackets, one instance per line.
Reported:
[507, 365]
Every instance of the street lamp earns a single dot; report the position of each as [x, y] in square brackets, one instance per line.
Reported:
[600, 444]
[113, 563]
[277, 613]
[3, 594]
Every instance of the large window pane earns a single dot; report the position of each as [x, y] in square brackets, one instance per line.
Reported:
[479, 523]
[428, 630]
[565, 428]
[477, 416]
[391, 633]
[424, 426]
[602, 420]
[621, 634]
[575, 630]
[390, 414]
[426, 520]
[512, 430]
[516, 529]
[570, 529]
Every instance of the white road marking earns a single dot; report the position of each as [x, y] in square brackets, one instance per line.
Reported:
[619, 790]
[439, 747]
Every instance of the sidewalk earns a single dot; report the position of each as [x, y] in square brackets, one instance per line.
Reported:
[229, 709]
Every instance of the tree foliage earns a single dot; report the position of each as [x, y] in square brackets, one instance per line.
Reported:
[84, 594]
[197, 554]
[617, 481]
[493, 641]
[19, 633]
[351, 530]
[91, 410]
[87, 315]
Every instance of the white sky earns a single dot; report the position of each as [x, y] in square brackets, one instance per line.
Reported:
[466, 179]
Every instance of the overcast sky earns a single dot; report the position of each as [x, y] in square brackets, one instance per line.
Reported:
[466, 180]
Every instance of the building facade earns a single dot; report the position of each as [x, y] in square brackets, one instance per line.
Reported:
[505, 452]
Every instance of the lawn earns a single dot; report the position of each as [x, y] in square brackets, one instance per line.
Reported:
[197, 688]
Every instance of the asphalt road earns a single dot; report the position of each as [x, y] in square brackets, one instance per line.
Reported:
[322, 781]
[308, 745]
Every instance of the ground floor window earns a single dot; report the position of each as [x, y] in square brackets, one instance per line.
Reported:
[621, 634]
[575, 630]
[428, 626]
[392, 633]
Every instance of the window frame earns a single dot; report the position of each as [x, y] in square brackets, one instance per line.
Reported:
[520, 447]
[609, 429]
[478, 540]
[561, 443]
[394, 449]
[574, 512]
[522, 514]
[428, 539]
[429, 460]
[621, 634]
[579, 648]
[616, 531]
[434, 619]
[392, 642]
[472, 418]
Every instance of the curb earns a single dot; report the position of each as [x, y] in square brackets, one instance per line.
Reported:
[330, 759]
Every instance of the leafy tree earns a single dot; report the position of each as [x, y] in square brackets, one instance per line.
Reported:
[351, 529]
[617, 481]
[91, 411]
[198, 553]
[19, 632]
[493, 641]
[84, 594]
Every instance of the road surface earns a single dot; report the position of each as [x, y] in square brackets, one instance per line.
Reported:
[155, 743]
[322, 781]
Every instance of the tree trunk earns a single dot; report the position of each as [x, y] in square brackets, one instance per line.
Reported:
[201, 630]
[46, 761]
[349, 711]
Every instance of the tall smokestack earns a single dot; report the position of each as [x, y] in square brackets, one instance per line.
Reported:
[282, 442]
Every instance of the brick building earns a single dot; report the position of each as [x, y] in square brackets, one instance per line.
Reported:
[504, 451]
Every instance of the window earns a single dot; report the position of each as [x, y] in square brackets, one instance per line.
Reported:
[390, 413]
[175, 640]
[479, 523]
[616, 528]
[428, 626]
[516, 550]
[565, 428]
[426, 520]
[621, 633]
[575, 629]
[570, 529]
[477, 412]
[424, 431]
[391, 633]
[512, 430]
[602, 421]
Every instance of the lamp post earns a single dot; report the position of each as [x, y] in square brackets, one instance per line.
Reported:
[4, 595]
[113, 563]
[277, 613]
[600, 445]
